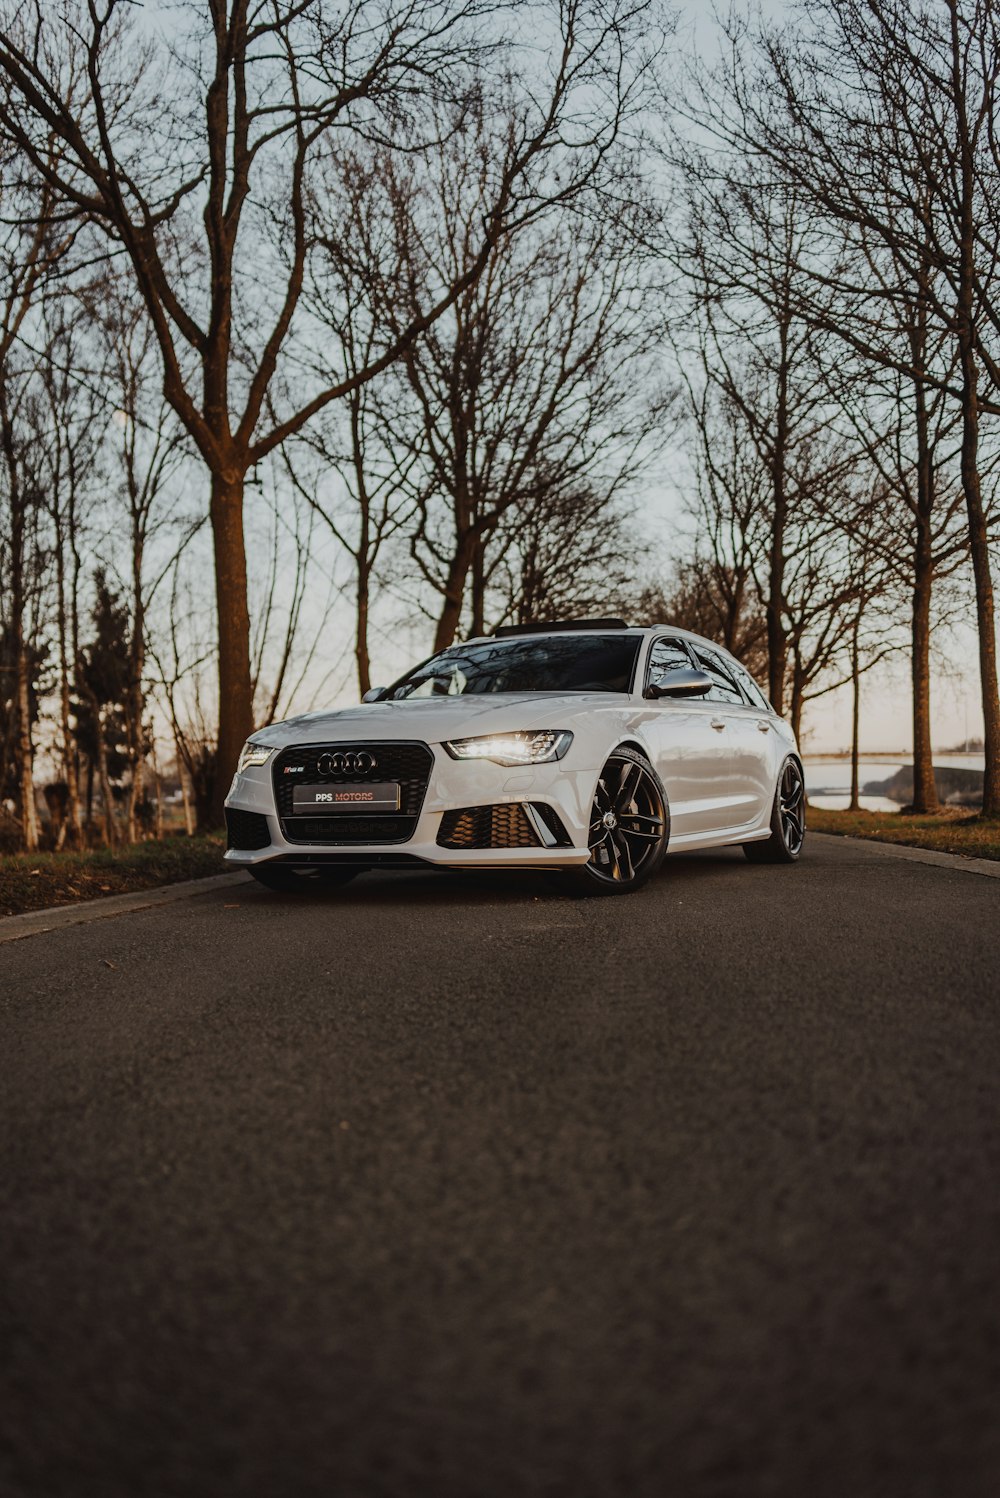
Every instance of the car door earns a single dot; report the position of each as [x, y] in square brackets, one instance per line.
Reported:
[747, 783]
[691, 755]
[769, 745]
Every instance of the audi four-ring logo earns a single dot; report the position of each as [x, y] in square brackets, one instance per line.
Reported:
[360, 763]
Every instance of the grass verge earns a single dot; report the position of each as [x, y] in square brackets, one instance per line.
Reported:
[34, 881]
[961, 832]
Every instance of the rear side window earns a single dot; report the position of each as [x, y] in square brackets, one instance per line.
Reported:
[750, 688]
[724, 688]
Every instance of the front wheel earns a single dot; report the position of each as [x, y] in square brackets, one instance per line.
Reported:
[788, 820]
[629, 828]
[289, 882]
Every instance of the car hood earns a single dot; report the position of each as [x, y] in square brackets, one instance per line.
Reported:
[434, 719]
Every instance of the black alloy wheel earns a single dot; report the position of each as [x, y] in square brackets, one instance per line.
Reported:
[788, 820]
[629, 827]
[288, 881]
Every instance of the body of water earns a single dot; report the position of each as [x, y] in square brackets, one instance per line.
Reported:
[828, 781]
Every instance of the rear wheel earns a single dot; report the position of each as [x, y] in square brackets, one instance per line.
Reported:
[788, 820]
[629, 827]
[291, 882]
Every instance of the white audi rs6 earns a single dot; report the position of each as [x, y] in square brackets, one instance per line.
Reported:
[587, 748]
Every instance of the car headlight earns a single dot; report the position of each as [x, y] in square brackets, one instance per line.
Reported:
[535, 748]
[253, 754]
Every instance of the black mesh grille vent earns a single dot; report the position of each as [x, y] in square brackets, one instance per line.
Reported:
[554, 823]
[340, 830]
[406, 764]
[487, 827]
[246, 830]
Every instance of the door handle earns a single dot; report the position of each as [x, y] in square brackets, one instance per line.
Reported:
[764, 727]
[718, 724]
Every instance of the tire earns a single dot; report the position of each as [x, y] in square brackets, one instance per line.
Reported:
[788, 820]
[288, 882]
[627, 850]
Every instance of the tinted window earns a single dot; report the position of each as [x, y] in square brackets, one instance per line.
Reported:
[538, 663]
[666, 655]
[724, 688]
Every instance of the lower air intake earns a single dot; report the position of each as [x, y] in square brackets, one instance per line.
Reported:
[336, 831]
[488, 827]
[246, 830]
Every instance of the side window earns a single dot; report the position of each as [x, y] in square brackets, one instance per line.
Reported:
[666, 655]
[724, 688]
[750, 688]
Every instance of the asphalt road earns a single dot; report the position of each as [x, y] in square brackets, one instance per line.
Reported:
[458, 1187]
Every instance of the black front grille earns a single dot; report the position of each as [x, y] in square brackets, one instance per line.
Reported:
[246, 830]
[406, 764]
[504, 826]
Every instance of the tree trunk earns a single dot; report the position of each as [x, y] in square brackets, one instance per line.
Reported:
[798, 701]
[74, 826]
[25, 750]
[134, 797]
[361, 630]
[22, 666]
[158, 782]
[454, 596]
[71, 827]
[135, 699]
[855, 804]
[235, 690]
[925, 796]
[479, 588]
[363, 555]
[979, 544]
[104, 780]
[777, 648]
[185, 796]
[978, 539]
[777, 645]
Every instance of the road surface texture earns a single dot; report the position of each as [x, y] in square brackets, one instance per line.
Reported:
[453, 1186]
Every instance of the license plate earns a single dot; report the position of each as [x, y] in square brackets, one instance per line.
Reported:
[334, 798]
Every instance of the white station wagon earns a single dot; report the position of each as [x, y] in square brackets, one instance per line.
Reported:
[587, 748]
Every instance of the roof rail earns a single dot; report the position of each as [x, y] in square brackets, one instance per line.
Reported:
[554, 625]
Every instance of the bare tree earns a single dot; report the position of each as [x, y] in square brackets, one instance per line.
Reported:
[200, 162]
[181, 660]
[739, 249]
[534, 386]
[770, 457]
[882, 117]
[712, 598]
[147, 448]
[358, 487]
[33, 244]
[716, 589]
[906, 428]
[66, 421]
[561, 554]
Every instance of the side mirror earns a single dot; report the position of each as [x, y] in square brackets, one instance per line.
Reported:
[684, 681]
[375, 694]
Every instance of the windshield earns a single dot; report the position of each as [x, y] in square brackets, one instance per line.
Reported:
[538, 663]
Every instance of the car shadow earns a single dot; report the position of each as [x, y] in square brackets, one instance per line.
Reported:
[429, 887]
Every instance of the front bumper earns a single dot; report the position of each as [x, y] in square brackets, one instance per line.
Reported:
[453, 785]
